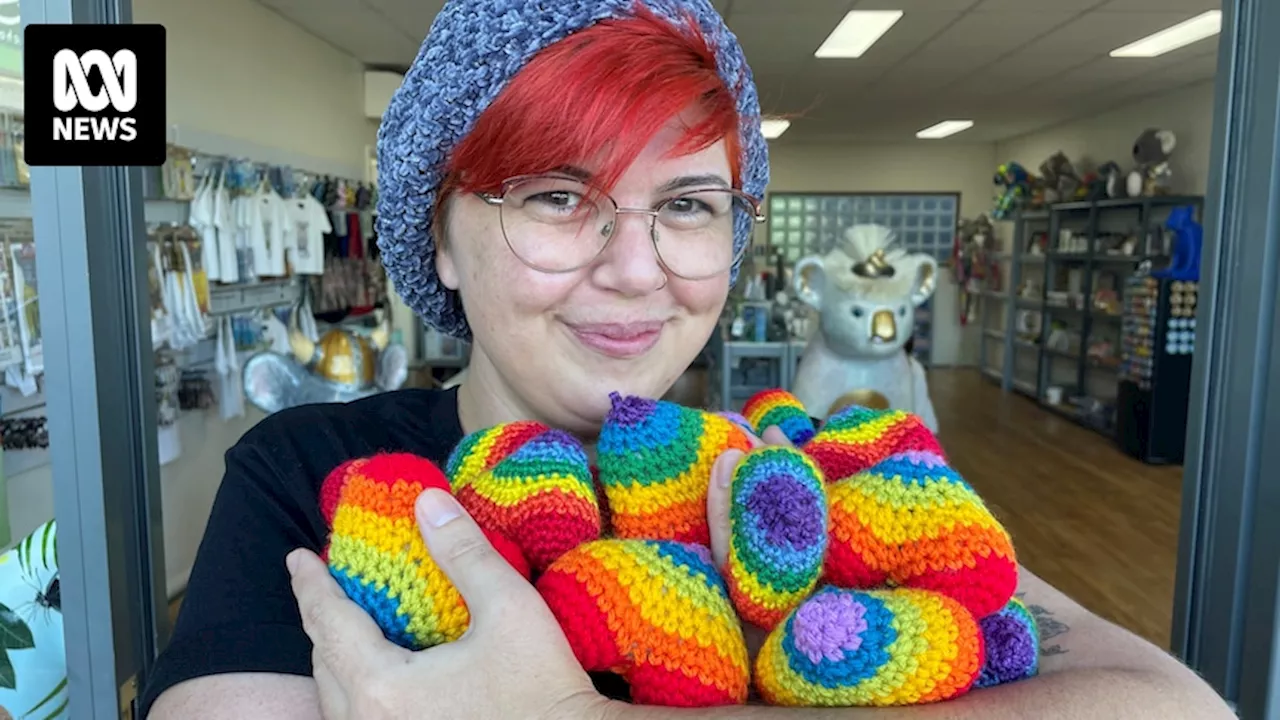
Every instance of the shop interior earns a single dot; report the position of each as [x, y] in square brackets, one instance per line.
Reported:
[1040, 167]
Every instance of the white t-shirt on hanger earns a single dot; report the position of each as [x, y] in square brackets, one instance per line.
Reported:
[201, 218]
[268, 236]
[310, 223]
[225, 223]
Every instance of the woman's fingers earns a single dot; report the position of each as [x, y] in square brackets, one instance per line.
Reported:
[346, 640]
[483, 577]
[774, 436]
[719, 501]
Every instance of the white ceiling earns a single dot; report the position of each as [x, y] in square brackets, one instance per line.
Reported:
[1012, 66]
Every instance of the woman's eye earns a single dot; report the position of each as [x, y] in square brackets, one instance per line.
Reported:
[687, 206]
[557, 198]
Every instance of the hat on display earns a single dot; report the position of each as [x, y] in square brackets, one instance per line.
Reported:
[473, 50]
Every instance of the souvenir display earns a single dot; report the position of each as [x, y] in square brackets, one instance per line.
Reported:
[343, 364]
[973, 264]
[866, 291]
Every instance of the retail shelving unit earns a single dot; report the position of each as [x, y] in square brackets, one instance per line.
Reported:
[1069, 282]
[1004, 358]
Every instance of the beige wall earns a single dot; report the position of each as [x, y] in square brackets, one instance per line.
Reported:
[239, 70]
[1188, 112]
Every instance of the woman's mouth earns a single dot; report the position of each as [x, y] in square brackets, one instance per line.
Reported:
[619, 340]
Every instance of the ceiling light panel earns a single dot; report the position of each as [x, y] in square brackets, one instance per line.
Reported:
[857, 32]
[946, 128]
[1198, 28]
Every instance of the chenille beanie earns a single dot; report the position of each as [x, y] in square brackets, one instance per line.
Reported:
[474, 48]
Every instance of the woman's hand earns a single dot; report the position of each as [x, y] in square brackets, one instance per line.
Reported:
[513, 661]
[719, 498]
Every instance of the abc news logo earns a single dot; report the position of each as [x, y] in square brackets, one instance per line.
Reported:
[94, 95]
[71, 92]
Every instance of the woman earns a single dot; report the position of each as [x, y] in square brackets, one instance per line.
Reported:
[582, 176]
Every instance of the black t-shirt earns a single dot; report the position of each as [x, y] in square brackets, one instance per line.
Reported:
[239, 614]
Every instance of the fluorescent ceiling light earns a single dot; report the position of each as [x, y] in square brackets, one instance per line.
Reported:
[773, 129]
[944, 129]
[857, 32]
[1184, 33]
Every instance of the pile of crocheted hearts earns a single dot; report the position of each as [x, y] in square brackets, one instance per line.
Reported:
[879, 574]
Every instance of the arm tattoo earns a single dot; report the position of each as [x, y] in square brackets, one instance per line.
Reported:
[1050, 627]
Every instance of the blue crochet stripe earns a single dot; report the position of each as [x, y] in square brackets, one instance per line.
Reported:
[682, 556]
[471, 53]
[379, 604]
[910, 473]
[857, 666]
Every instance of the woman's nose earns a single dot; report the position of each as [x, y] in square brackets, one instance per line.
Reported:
[630, 264]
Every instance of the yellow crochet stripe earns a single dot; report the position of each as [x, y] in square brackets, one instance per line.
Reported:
[869, 431]
[704, 618]
[922, 654]
[476, 461]
[889, 510]
[389, 552]
[507, 494]
[761, 595]
[690, 485]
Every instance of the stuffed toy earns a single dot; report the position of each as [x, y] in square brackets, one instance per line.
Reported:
[878, 574]
[1059, 179]
[1152, 174]
[1016, 186]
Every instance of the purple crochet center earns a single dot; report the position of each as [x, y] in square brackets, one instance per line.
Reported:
[1011, 649]
[829, 625]
[630, 410]
[785, 509]
[472, 51]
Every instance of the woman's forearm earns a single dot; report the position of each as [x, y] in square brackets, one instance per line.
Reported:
[1098, 694]
[1089, 668]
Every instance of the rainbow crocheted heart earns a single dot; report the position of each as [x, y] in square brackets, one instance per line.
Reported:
[377, 555]
[912, 521]
[654, 612]
[1012, 641]
[845, 648]
[781, 409]
[856, 438]
[655, 461]
[530, 483]
[778, 533]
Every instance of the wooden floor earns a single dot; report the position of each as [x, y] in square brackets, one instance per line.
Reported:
[1095, 523]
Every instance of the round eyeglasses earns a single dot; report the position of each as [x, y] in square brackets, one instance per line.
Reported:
[557, 223]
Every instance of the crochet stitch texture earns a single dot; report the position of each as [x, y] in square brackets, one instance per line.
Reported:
[891, 584]
[470, 54]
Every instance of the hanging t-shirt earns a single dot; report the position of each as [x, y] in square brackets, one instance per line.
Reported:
[224, 222]
[202, 220]
[310, 223]
[268, 237]
[247, 218]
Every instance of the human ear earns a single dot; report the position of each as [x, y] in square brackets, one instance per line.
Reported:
[810, 280]
[446, 269]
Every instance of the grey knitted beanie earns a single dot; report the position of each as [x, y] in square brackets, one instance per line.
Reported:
[473, 49]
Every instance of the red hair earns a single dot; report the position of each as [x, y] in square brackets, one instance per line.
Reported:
[599, 97]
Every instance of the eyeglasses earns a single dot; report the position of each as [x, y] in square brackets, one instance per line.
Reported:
[557, 223]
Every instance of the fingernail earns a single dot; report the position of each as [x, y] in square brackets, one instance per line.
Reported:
[729, 463]
[438, 507]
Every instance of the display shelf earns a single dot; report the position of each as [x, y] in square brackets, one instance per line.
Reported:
[1084, 309]
[232, 299]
